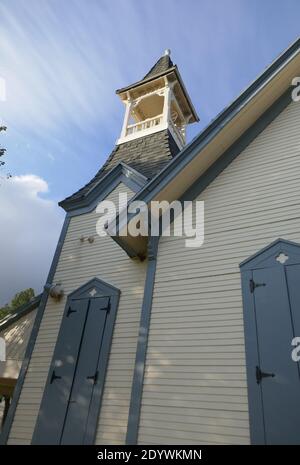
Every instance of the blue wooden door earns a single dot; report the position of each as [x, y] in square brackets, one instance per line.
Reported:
[73, 392]
[277, 375]
[61, 374]
[86, 374]
[271, 294]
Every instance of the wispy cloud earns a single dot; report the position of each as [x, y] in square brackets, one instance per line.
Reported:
[55, 70]
[29, 230]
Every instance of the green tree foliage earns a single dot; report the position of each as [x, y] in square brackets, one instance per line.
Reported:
[21, 298]
[4, 311]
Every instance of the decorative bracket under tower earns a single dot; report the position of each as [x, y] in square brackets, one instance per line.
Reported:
[159, 101]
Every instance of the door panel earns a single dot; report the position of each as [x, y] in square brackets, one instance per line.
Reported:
[57, 391]
[281, 393]
[87, 367]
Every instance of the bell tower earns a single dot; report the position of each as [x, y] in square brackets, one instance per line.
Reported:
[157, 111]
[156, 103]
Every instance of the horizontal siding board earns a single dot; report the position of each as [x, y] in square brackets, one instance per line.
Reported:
[186, 427]
[161, 437]
[180, 352]
[204, 404]
[196, 414]
[228, 393]
[193, 420]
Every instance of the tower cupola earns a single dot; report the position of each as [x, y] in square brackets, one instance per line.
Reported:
[157, 111]
[158, 102]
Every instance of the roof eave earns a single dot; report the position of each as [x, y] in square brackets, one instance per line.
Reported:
[145, 81]
[158, 76]
[186, 94]
[120, 172]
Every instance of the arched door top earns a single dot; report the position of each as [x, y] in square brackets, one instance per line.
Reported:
[278, 253]
[94, 288]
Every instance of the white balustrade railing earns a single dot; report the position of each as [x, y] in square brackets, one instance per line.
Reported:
[150, 123]
[146, 124]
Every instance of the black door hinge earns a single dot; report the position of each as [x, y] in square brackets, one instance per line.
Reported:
[108, 307]
[261, 374]
[54, 377]
[94, 377]
[253, 285]
[70, 311]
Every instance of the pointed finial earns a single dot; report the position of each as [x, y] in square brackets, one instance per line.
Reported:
[167, 52]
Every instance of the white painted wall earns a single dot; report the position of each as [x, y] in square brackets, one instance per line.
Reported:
[195, 388]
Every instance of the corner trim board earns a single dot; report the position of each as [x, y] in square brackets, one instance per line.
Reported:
[141, 352]
[31, 342]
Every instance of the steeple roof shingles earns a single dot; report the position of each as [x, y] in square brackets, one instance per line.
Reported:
[147, 155]
[161, 66]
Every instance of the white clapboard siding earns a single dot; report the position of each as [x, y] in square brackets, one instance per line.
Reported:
[80, 262]
[195, 381]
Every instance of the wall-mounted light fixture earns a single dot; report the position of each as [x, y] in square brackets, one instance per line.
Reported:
[54, 290]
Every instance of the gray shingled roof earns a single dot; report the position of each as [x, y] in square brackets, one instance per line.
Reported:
[161, 66]
[147, 155]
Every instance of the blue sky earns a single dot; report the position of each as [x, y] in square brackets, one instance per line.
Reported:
[62, 62]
